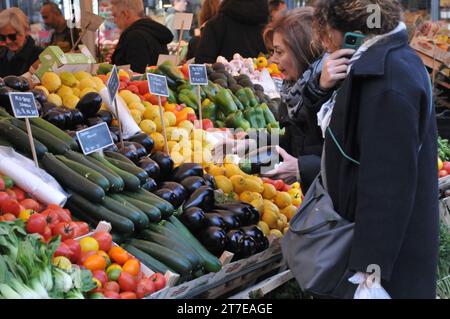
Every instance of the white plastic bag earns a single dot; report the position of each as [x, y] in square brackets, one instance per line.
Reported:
[368, 287]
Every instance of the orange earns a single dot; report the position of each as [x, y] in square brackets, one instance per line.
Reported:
[132, 266]
[118, 255]
[95, 262]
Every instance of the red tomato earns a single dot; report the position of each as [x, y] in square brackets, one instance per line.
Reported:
[142, 86]
[279, 184]
[3, 196]
[442, 173]
[51, 217]
[47, 234]
[29, 203]
[62, 250]
[185, 70]
[86, 255]
[83, 228]
[446, 166]
[11, 206]
[159, 281]
[104, 240]
[140, 290]
[76, 229]
[65, 230]
[207, 124]
[111, 295]
[191, 117]
[20, 194]
[148, 285]
[101, 276]
[75, 250]
[133, 89]
[128, 295]
[2, 184]
[11, 193]
[64, 214]
[112, 286]
[9, 217]
[126, 282]
[36, 224]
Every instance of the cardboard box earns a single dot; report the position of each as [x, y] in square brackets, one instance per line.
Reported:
[433, 39]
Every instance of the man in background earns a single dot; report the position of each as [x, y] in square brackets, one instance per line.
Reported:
[54, 19]
[275, 7]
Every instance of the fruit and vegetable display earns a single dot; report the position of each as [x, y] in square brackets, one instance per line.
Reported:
[250, 66]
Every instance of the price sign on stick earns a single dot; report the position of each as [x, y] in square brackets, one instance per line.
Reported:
[167, 57]
[158, 86]
[24, 106]
[198, 76]
[113, 87]
[182, 22]
[95, 138]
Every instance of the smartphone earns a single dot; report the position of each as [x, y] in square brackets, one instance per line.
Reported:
[353, 40]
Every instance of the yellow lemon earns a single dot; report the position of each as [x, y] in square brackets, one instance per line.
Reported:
[51, 81]
[130, 98]
[172, 145]
[42, 88]
[146, 104]
[158, 123]
[85, 91]
[137, 116]
[196, 146]
[99, 85]
[148, 126]
[64, 90]
[151, 112]
[215, 170]
[71, 101]
[440, 164]
[283, 199]
[258, 204]
[270, 207]
[276, 233]
[224, 184]
[285, 230]
[86, 83]
[80, 75]
[187, 154]
[238, 183]
[171, 118]
[68, 79]
[187, 125]
[76, 91]
[207, 157]
[177, 158]
[264, 228]
[137, 106]
[269, 191]
[55, 99]
[271, 219]
[232, 169]
[158, 139]
[289, 211]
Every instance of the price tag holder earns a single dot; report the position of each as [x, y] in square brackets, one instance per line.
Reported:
[198, 74]
[23, 105]
[167, 57]
[182, 21]
[113, 84]
[278, 84]
[95, 138]
[158, 84]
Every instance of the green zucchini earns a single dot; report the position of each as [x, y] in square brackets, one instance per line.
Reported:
[115, 181]
[55, 131]
[53, 143]
[152, 212]
[119, 157]
[175, 245]
[130, 168]
[71, 179]
[164, 206]
[152, 263]
[132, 183]
[86, 172]
[119, 223]
[139, 219]
[82, 215]
[169, 257]
[19, 139]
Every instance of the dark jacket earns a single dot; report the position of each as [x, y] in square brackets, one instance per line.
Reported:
[381, 118]
[141, 43]
[21, 62]
[64, 39]
[237, 28]
[176, 33]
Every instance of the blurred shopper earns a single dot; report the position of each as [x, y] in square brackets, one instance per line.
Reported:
[19, 52]
[276, 7]
[142, 39]
[54, 19]
[178, 6]
[237, 28]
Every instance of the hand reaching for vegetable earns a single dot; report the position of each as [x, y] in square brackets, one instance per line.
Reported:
[288, 170]
[335, 68]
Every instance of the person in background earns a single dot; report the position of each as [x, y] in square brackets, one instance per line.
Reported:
[142, 39]
[209, 9]
[54, 19]
[381, 147]
[237, 28]
[19, 52]
[177, 6]
[275, 7]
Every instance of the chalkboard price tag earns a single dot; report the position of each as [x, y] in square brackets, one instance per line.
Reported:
[197, 74]
[23, 104]
[158, 84]
[278, 83]
[95, 138]
[113, 84]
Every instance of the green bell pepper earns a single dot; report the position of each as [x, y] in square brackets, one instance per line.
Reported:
[172, 96]
[171, 71]
[209, 110]
[225, 102]
[243, 98]
[253, 101]
[236, 100]
[237, 120]
[188, 97]
[220, 124]
[255, 116]
[269, 117]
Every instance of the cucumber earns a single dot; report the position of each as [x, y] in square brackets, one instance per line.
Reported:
[72, 179]
[53, 143]
[4, 142]
[164, 206]
[147, 260]
[211, 262]
[81, 214]
[19, 139]
[169, 257]
[139, 219]
[119, 157]
[130, 168]
[152, 212]
[86, 172]
[118, 238]
[55, 131]
[175, 245]
[8, 181]
[115, 181]
[132, 183]
[119, 223]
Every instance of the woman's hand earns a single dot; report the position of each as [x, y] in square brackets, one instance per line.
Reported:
[335, 68]
[288, 171]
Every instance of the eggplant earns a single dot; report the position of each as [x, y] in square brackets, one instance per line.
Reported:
[214, 239]
[254, 232]
[144, 140]
[210, 181]
[202, 197]
[112, 148]
[240, 210]
[169, 196]
[67, 116]
[129, 151]
[77, 117]
[254, 215]
[231, 220]
[150, 185]
[48, 106]
[39, 107]
[56, 118]
[150, 166]
[262, 244]
[106, 116]
[192, 183]
[235, 239]
[214, 219]
[186, 170]
[18, 83]
[141, 151]
[90, 104]
[91, 121]
[39, 95]
[165, 164]
[193, 218]
[178, 189]
[249, 247]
